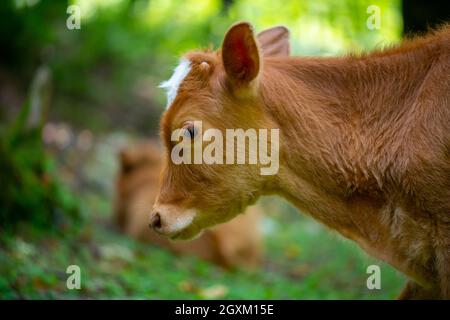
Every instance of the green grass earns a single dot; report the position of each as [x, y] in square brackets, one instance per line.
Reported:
[303, 260]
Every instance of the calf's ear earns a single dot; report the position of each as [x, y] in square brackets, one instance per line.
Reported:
[240, 53]
[274, 42]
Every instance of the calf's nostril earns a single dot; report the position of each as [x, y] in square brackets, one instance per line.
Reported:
[155, 222]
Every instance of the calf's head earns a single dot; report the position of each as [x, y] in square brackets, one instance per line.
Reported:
[210, 93]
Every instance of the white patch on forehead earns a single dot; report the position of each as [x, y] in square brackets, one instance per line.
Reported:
[172, 85]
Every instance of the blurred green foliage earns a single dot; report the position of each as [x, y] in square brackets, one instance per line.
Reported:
[31, 192]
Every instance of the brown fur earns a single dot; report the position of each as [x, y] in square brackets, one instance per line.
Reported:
[364, 148]
[234, 244]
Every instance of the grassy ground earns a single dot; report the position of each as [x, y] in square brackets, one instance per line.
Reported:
[303, 261]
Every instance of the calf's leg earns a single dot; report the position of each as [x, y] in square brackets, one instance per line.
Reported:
[413, 291]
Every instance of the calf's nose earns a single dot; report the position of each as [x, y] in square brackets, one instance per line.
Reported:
[155, 221]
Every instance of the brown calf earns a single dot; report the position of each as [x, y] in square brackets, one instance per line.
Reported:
[237, 243]
[364, 144]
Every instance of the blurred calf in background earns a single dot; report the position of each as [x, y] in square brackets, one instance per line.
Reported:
[237, 243]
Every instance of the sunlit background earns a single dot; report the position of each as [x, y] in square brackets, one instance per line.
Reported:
[70, 99]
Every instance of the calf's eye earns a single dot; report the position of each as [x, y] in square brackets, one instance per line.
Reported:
[190, 130]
